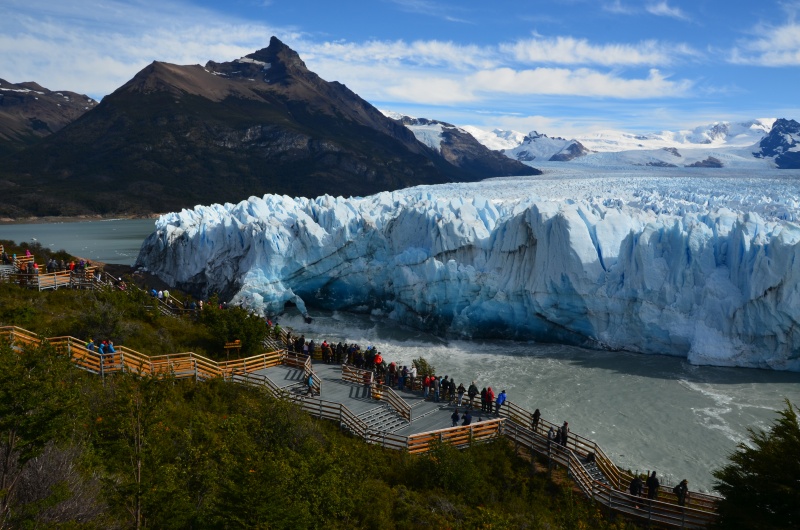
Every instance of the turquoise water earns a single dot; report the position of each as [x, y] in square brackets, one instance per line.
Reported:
[113, 241]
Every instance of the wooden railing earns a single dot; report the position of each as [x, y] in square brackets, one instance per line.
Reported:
[614, 495]
[461, 436]
[357, 376]
[179, 365]
[387, 394]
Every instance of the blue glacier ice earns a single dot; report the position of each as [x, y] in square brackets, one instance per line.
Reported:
[703, 264]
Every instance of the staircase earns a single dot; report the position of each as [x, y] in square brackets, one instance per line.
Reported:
[5, 270]
[383, 419]
[594, 471]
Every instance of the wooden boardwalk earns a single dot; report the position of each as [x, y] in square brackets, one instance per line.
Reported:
[426, 416]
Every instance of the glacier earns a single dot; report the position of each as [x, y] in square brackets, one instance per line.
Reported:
[698, 263]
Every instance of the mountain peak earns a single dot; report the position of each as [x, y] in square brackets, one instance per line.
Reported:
[278, 52]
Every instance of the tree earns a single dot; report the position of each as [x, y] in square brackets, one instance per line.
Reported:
[37, 404]
[761, 485]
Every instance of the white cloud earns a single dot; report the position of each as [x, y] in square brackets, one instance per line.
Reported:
[617, 7]
[581, 82]
[568, 50]
[429, 8]
[420, 53]
[775, 46]
[663, 9]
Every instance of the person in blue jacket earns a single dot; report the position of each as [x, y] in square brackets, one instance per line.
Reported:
[310, 385]
[501, 398]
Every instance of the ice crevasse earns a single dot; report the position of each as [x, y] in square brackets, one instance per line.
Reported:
[691, 277]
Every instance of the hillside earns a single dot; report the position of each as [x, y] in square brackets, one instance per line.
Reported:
[29, 112]
[176, 136]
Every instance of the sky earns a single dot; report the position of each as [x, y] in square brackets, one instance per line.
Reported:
[561, 67]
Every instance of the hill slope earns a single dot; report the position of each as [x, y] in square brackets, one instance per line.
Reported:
[29, 112]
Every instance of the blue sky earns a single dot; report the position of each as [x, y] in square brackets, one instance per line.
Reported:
[561, 67]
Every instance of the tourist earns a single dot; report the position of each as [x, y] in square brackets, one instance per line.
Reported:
[454, 416]
[445, 386]
[551, 437]
[501, 398]
[412, 376]
[636, 486]
[467, 417]
[437, 385]
[451, 389]
[392, 372]
[472, 392]
[535, 420]
[652, 486]
[558, 436]
[90, 345]
[682, 492]
[564, 434]
[310, 383]
[461, 390]
[489, 400]
[426, 386]
[483, 399]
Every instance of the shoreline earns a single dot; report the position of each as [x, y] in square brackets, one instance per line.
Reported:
[54, 219]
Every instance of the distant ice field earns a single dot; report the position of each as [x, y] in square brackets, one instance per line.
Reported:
[773, 194]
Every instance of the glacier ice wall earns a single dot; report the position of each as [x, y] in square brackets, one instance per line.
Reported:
[704, 269]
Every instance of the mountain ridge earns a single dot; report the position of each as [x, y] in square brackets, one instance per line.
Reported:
[175, 136]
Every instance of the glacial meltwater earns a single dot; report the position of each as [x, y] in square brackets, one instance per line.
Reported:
[646, 411]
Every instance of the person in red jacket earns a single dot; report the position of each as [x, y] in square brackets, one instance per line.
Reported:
[426, 384]
[489, 399]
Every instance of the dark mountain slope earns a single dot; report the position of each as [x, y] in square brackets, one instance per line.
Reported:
[175, 136]
[782, 143]
[462, 150]
[29, 112]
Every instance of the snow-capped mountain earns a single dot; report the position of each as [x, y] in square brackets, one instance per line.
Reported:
[496, 139]
[540, 147]
[460, 148]
[720, 144]
[782, 144]
[665, 261]
[716, 135]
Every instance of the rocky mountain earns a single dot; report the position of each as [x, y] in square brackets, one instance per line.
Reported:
[460, 148]
[29, 112]
[175, 136]
[782, 143]
[540, 147]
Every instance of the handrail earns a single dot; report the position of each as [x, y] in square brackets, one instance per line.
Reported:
[358, 376]
[700, 515]
[387, 394]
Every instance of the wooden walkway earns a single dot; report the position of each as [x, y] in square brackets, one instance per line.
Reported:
[396, 419]
[425, 415]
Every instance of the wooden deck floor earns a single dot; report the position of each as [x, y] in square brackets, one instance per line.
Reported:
[425, 415]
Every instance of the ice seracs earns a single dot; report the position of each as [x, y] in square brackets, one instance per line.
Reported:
[705, 267]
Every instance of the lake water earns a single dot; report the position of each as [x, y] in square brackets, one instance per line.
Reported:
[646, 411]
[110, 241]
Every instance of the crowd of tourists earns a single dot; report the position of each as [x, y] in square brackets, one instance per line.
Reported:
[435, 388]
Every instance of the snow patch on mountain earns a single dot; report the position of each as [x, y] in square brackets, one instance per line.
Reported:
[540, 147]
[700, 263]
[497, 139]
